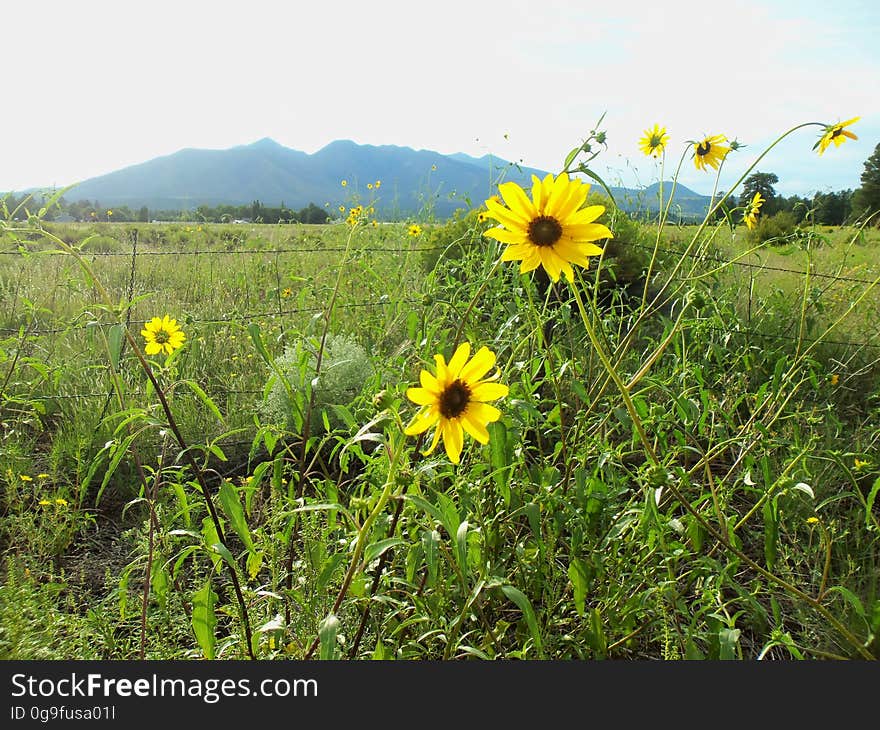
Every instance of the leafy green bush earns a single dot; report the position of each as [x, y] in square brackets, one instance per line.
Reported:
[774, 227]
[345, 367]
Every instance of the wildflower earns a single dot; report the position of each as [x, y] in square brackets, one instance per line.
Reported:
[812, 520]
[369, 186]
[750, 218]
[433, 168]
[378, 183]
[25, 478]
[835, 133]
[344, 183]
[42, 476]
[551, 229]
[711, 151]
[44, 503]
[61, 502]
[342, 209]
[414, 230]
[654, 141]
[455, 400]
[109, 213]
[835, 378]
[859, 464]
[162, 334]
[286, 292]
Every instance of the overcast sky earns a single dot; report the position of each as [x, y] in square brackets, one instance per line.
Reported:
[94, 86]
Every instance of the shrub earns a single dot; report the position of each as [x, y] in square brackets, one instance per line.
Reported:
[778, 226]
[345, 367]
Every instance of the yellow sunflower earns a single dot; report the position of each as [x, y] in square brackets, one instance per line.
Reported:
[711, 151]
[837, 134]
[162, 335]
[454, 400]
[414, 230]
[750, 217]
[654, 141]
[551, 229]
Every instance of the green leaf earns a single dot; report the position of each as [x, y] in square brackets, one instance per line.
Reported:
[203, 396]
[327, 636]
[115, 338]
[771, 532]
[524, 605]
[431, 548]
[869, 503]
[851, 598]
[727, 643]
[461, 546]
[180, 492]
[580, 575]
[373, 551]
[232, 508]
[330, 567]
[210, 536]
[204, 620]
[223, 552]
[254, 563]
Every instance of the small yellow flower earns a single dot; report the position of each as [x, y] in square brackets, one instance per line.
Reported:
[45, 503]
[455, 400]
[378, 183]
[25, 478]
[433, 168]
[414, 230]
[835, 379]
[42, 476]
[286, 293]
[835, 133]
[374, 223]
[859, 464]
[109, 212]
[61, 502]
[369, 186]
[750, 217]
[344, 183]
[711, 151]
[162, 335]
[654, 141]
[812, 520]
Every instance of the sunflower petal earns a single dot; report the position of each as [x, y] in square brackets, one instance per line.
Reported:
[507, 236]
[453, 440]
[482, 392]
[517, 200]
[475, 428]
[462, 353]
[480, 364]
[422, 421]
[421, 396]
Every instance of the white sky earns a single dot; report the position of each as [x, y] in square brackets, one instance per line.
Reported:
[93, 86]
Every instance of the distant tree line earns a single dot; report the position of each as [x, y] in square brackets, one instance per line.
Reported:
[20, 206]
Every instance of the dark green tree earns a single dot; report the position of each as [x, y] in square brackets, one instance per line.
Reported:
[866, 199]
[761, 182]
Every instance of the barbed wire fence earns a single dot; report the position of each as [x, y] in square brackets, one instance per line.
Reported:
[137, 253]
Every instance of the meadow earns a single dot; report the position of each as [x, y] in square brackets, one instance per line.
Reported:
[685, 465]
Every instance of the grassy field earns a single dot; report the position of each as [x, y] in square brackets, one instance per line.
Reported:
[727, 511]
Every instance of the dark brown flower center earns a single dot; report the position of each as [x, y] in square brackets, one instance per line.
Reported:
[703, 148]
[544, 230]
[454, 399]
[836, 132]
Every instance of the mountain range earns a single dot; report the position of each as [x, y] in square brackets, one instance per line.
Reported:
[412, 181]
